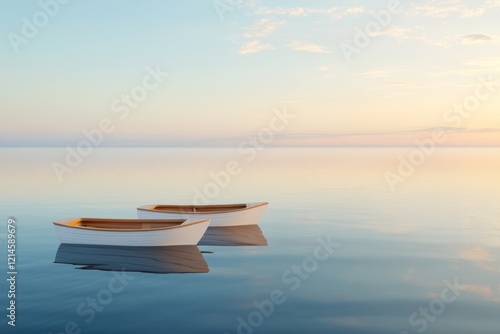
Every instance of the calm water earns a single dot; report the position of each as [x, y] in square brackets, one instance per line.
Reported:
[393, 259]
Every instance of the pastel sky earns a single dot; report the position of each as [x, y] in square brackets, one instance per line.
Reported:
[231, 63]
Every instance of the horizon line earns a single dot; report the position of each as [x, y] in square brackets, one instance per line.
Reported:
[265, 147]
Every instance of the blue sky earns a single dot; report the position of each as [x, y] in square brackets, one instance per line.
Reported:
[226, 76]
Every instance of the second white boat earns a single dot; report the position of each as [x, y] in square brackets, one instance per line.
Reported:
[219, 215]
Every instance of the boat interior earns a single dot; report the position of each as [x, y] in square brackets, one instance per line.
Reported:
[125, 224]
[199, 208]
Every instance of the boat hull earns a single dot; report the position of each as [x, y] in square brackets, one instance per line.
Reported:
[188, 234]
[248, 216]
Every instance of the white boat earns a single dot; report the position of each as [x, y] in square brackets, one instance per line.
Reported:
[219, 215]
[159, 260]
[130, 232]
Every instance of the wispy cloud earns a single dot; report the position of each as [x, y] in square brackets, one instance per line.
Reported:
[393, 31]
[471, 68]
[441, 9]
[489, 62]
[409, 86]
[492, 3]
[262, 27]
[458, 130]
[412, 34]
[297, 11]
[259, 29]
[375, 74]
[308, 47]
[399, 83]
[435, 9]
[447, 129]
[477, 39]
[333, 12]
[472, 12]
[254, 47]
[404, 137]
[340, 13]
[441, 42]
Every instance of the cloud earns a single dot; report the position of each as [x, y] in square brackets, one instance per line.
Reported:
[334, 12]
[477, 39]
[441, 9]
[308, 47]
[262, 27]
[403, 137]
[297, 11]
[448, 129]
[399, 83]
[254, 47]
[433, 9]
[451, 129]
[414, 34]
[472, 12]
[442, 128]
[340, 13]
[273, 11]
[489, 62]
[429, 8]
[486, 130]
[375, 74]
[484, 66]
[492, 3]
[402, 84]
[442, 42]
[324, 68]
[394, 31]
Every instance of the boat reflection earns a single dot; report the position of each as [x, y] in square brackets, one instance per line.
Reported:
[160, 260]
[246, 235]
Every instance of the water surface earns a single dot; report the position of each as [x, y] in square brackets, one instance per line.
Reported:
[394, 254]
